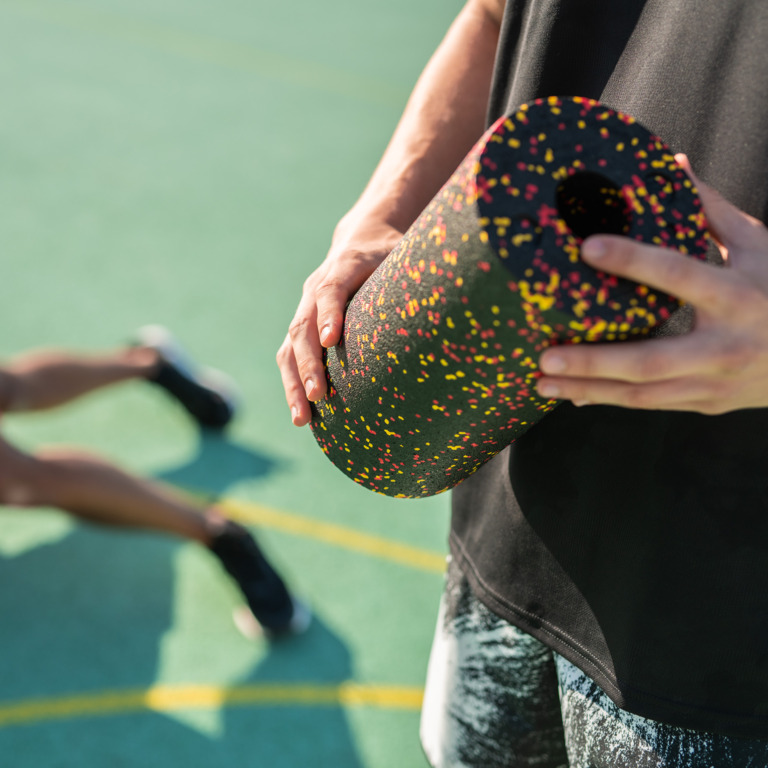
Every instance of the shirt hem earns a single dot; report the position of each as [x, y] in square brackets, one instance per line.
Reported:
[624, 695]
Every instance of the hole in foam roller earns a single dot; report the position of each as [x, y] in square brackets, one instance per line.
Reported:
[592, 204]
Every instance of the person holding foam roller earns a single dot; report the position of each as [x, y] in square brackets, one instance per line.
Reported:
[606, 600]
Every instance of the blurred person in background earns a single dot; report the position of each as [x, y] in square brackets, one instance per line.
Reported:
[95, 490]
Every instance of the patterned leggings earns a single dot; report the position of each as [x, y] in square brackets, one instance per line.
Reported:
[498, 698]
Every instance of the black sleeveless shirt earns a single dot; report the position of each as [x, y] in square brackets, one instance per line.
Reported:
[635, 543]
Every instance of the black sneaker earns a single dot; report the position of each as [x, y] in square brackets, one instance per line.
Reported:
[207, 394]
[269, 600]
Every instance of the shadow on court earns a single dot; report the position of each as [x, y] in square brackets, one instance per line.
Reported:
[88, 614]
[219, 463]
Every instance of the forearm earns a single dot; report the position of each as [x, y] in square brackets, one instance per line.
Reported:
[443, 118]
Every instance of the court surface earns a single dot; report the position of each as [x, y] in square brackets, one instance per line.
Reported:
[184, 162]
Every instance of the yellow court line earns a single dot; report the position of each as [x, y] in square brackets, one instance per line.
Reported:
[218, 51]
[336, 535]
[171, 698]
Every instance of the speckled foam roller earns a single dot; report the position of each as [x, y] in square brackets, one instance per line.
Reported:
[436, 370]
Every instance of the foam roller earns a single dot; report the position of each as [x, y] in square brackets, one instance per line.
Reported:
[437, 366]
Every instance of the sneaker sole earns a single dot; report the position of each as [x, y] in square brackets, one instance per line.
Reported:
[250, 628]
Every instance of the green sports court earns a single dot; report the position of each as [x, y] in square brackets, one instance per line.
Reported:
[184, 162]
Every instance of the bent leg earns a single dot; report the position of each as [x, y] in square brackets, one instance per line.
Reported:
[95, 490]
[48, 378]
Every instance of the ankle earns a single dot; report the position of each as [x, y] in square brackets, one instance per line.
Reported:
[144, 360]
[217, 525]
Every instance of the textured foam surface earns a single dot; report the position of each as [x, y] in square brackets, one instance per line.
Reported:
[439, 358]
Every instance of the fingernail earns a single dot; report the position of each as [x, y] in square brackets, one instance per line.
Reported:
[552, 363]
[309, 385]
[548, 390]
[593, 249]
[294, 414]
[580, 403]
[325, 332]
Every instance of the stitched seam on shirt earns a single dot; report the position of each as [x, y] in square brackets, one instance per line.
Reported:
[547, 627]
